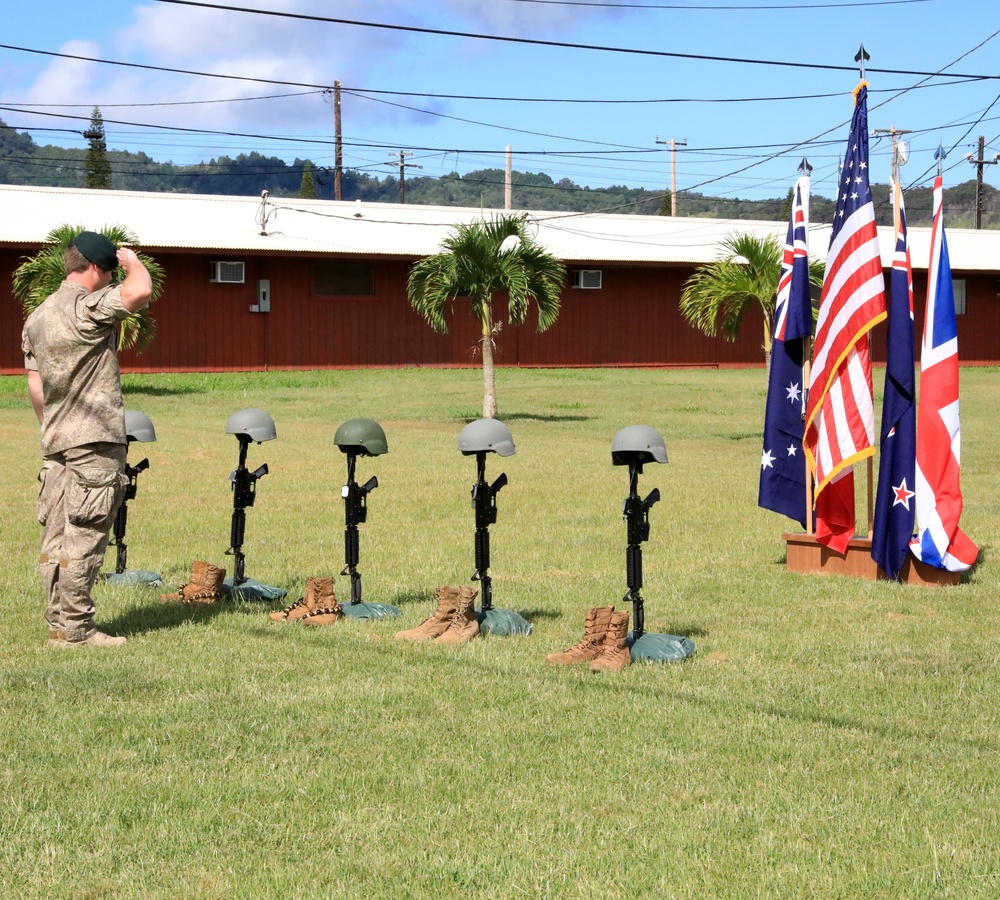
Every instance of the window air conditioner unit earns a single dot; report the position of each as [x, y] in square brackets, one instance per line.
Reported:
[587, 279]
[226, 272]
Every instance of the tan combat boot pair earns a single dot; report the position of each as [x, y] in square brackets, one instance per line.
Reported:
[604, 644]
[318, 606]
[205, 585]
[454, 621]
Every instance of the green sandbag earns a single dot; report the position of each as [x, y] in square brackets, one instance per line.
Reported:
[252, 590]
[660, 648]
[134, 576]
[502, 623]
[365, 610]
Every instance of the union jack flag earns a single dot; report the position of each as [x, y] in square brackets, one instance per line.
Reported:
[940, 542]
[894, 503]
[782, 465]
[840, 417]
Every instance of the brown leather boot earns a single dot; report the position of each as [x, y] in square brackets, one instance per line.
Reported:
[205, 585]
[194, 583]
[595, 629]
[615, 653]
[324, 615]
[209, 589]
[438, 621]
[319, 595]
[464, 624]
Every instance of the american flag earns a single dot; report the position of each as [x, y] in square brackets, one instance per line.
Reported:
[894, 503]
[940, 542]
[782, 464]
[840, 417]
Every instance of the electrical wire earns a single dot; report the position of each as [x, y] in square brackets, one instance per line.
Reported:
[566, 45]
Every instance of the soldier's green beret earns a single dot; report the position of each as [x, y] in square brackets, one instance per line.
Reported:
[98, 249]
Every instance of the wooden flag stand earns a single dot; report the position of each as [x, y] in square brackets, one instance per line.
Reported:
[805, 554]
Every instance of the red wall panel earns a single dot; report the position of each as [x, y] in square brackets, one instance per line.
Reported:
[633, 320]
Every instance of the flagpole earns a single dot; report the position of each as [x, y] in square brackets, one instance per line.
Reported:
[806, 169]
[862, 57]
[806, 372]
[871, 497]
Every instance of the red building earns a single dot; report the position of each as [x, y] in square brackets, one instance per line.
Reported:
[256, 284]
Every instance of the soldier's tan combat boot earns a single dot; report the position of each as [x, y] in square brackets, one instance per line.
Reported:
[595, 630]
[193, 584]
[95, 639]
[438, 621]
[464, 624]
[614, 654]
[319, 595]
[57, 636]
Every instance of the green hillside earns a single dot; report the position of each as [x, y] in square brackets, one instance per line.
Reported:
[22, 161]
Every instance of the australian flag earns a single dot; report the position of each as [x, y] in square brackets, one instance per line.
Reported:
[782, 462]
[895, 506]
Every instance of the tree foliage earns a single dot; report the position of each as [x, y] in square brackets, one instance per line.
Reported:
[98, 167]
[307, 190]
[716, 298]
[40, 275]
[247, 174]
[478, 261]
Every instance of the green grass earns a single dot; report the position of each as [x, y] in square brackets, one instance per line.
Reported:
[831, 737]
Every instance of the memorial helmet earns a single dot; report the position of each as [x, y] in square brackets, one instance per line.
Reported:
[638, 444]
[361, 436]
[138, 427]
[254, 424]
[486, 436]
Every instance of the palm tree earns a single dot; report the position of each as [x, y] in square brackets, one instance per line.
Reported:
[40, 275]
[719, 293]
[478, 261]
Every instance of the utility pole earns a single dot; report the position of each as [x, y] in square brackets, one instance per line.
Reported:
[673, 170]
[900, 149]
[979, 163]
[338, 153]
[401, 165]
[508, 172]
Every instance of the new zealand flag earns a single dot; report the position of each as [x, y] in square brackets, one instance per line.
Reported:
[895, 506]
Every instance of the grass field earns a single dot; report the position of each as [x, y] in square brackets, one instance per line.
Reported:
[830, 738]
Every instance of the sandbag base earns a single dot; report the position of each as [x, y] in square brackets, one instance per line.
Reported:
[502, 623]
[249, 589]
[132, 577]
[653, 647]
[365, 610]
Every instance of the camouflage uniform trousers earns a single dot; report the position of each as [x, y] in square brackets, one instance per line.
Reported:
[81, 490]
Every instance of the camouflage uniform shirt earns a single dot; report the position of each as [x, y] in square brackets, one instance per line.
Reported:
[71, 341]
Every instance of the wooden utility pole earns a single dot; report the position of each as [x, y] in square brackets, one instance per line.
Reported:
[900, 151]
[401, 165]
[979, 163]
[338, 153]
[673, 170]
[507, 190]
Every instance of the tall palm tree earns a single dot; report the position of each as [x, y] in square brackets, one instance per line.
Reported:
[480, 260]
[746, 273]
[40, 275]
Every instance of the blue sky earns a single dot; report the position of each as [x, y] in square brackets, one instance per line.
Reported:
[739, 119]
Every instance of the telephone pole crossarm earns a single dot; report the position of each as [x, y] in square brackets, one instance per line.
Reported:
[402, 165]
[979, 162]
[673, 170]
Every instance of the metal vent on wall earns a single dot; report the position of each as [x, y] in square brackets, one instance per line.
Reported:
[224, 272]
[587, 279]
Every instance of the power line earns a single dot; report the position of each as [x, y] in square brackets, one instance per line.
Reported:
[754, 8]
[565, 45]
[361, 91]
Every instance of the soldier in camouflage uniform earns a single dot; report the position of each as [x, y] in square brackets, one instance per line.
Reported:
[74, 382]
